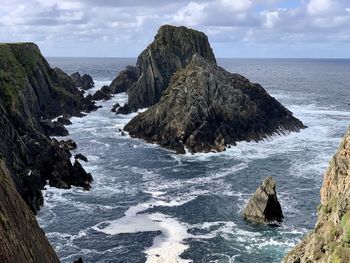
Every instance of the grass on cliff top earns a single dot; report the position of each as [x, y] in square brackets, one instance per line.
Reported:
[13, 77]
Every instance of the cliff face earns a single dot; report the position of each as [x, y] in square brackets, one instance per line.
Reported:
[21, 238]
[172, 49]
[30, 91]
[206, 108]
[330, 239]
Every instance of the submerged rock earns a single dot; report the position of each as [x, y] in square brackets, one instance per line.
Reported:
[264, 206]
[84, 82]
[329, 241]
[171, 50]
[206, 108]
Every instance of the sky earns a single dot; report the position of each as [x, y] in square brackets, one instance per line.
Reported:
[236, 28]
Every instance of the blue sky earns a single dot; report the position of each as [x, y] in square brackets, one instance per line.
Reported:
[236, 28]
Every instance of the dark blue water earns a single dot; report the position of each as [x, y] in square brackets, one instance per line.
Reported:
[148, 204]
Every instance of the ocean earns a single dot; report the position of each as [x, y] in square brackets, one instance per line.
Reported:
[148, 204]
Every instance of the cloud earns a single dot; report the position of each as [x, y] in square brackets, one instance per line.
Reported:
[124, 27]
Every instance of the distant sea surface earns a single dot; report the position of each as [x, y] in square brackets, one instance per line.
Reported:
[150, 205]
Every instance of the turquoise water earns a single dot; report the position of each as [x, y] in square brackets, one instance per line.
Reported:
[150, 205]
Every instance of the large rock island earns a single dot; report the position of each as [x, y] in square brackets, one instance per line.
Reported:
[205, 108]
[330, 239]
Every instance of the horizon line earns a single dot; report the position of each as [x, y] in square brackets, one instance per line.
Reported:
[315, 58]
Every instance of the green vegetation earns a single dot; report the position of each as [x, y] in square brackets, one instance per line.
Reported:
[330, 206]
[345, 223]
[13, 77]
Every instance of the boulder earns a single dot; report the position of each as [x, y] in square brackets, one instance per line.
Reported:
[264, 206]
[171, 50]
[115, 107]
[53, 128]
[84, 82]
[68, 145]
[206, 108]
[64, 120]
[124, 109]
[102, 94]
[81, 157]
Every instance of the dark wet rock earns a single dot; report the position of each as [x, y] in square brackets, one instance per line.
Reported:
[102, 94]
[122, 133]
[115, 107]
[81, 157]
[206, 108]
[124, 80]
[171, 50]
[84, 82]
[80, 177]
[54, 128]
[80, 260]
[68, 145]
[124, 109]
[264, 206]
[21, 238]
[64, 120]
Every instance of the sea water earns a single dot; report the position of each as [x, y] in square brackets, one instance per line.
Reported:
[151, 205]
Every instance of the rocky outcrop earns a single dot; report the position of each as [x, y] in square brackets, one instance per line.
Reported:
[330, 239]
[206, 108]
[21, 238]
[124, 80]
[32, 93]
[263, 206]
[171, 50]
[84, 82]
[102, 94]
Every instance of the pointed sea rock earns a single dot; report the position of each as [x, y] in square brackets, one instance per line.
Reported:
[264, 206]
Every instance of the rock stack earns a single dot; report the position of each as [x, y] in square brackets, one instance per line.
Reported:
[205, 108]
[263, 206]
[171, 50]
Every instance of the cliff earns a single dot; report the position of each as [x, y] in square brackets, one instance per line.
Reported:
[21, 238]
[171, 50]
[206, 108]
[31, 92]
[330, 239]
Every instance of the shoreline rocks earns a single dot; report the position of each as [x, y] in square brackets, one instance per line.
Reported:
[31, 94]
[263, 206]
[205, 108]
[84, 82]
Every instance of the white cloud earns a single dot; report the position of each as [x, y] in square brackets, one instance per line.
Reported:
[128, 26]
[236, 5]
